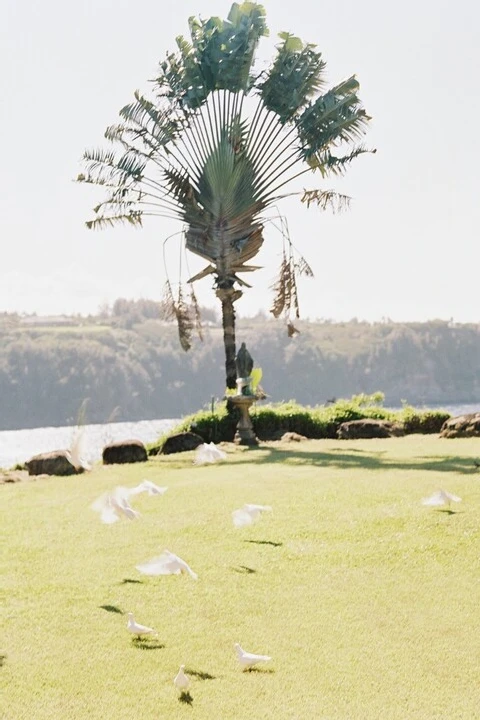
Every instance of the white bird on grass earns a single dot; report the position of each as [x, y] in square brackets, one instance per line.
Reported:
[248, 514]
[248, 660]
[442, 497]
[113, 505]
[166, 564]
[137, 629]
[208, 453]
[181, 681]
[147, 486]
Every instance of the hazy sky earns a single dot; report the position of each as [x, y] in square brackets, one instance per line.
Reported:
[408, 247]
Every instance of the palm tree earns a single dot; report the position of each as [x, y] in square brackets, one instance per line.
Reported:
[215, 147]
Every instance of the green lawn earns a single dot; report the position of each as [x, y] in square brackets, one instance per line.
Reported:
[367, 601]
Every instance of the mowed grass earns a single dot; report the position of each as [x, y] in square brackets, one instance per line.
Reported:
[367, 601]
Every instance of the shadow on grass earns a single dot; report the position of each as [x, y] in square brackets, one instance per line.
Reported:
[2, 660]
[185, 698]
[261, 670]
[199, 674]
[448, 511]
[244, 569]
[147, 644]
[264, 542]
[112, 609]
[361, 458]
[125, 581]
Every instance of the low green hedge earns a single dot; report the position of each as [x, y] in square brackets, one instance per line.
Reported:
[427, 422]
[271, 421]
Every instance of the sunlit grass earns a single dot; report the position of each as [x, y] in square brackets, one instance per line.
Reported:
[367, 601]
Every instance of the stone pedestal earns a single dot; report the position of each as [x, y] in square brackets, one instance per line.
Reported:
[244, 434]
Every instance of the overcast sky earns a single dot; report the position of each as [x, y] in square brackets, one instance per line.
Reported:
[408, 247]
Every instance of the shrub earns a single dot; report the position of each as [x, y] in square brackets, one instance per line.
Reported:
[426, 422]
[214, 427]
[271, 421]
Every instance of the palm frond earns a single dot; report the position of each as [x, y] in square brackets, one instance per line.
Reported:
[209, 270]
[101, 222]
[281, 289]
[145, 115]
[325, 199]
[219, 56]
[329, 164]
[197, 319]
[303, 268]
[186, 315]
[295, 76]
[335, 117]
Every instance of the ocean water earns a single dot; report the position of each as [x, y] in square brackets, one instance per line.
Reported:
[18, 446]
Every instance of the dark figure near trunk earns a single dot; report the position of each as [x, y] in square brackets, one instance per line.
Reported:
[244, 362]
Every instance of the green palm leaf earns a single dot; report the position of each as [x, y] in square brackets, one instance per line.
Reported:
[296, 76]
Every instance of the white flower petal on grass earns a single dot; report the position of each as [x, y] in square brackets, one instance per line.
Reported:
[248, 514]
[181, 681]
[137, 629]
[247, 660]
[442, 497]
[166, 564]
[208, 453]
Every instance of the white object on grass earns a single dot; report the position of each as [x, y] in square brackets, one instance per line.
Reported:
[248, 514]
[442, 497]
[166, 564]
[113, 505]
[181, 681]
[248, 660]
[149, 487]
[209, 453]
[76, 453]
[137, 629]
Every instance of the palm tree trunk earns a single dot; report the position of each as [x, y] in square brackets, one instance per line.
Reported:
[227, 297]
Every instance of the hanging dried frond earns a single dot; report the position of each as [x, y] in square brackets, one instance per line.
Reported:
[326, 199]
[303, 268]
[184, 321]
[280, 288]
[196, 312]
[285, 288]
[292, 330]
[186, 314]
[293, 291]
[168, 302]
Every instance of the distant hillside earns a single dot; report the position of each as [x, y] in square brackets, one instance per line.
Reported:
[131, 367]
